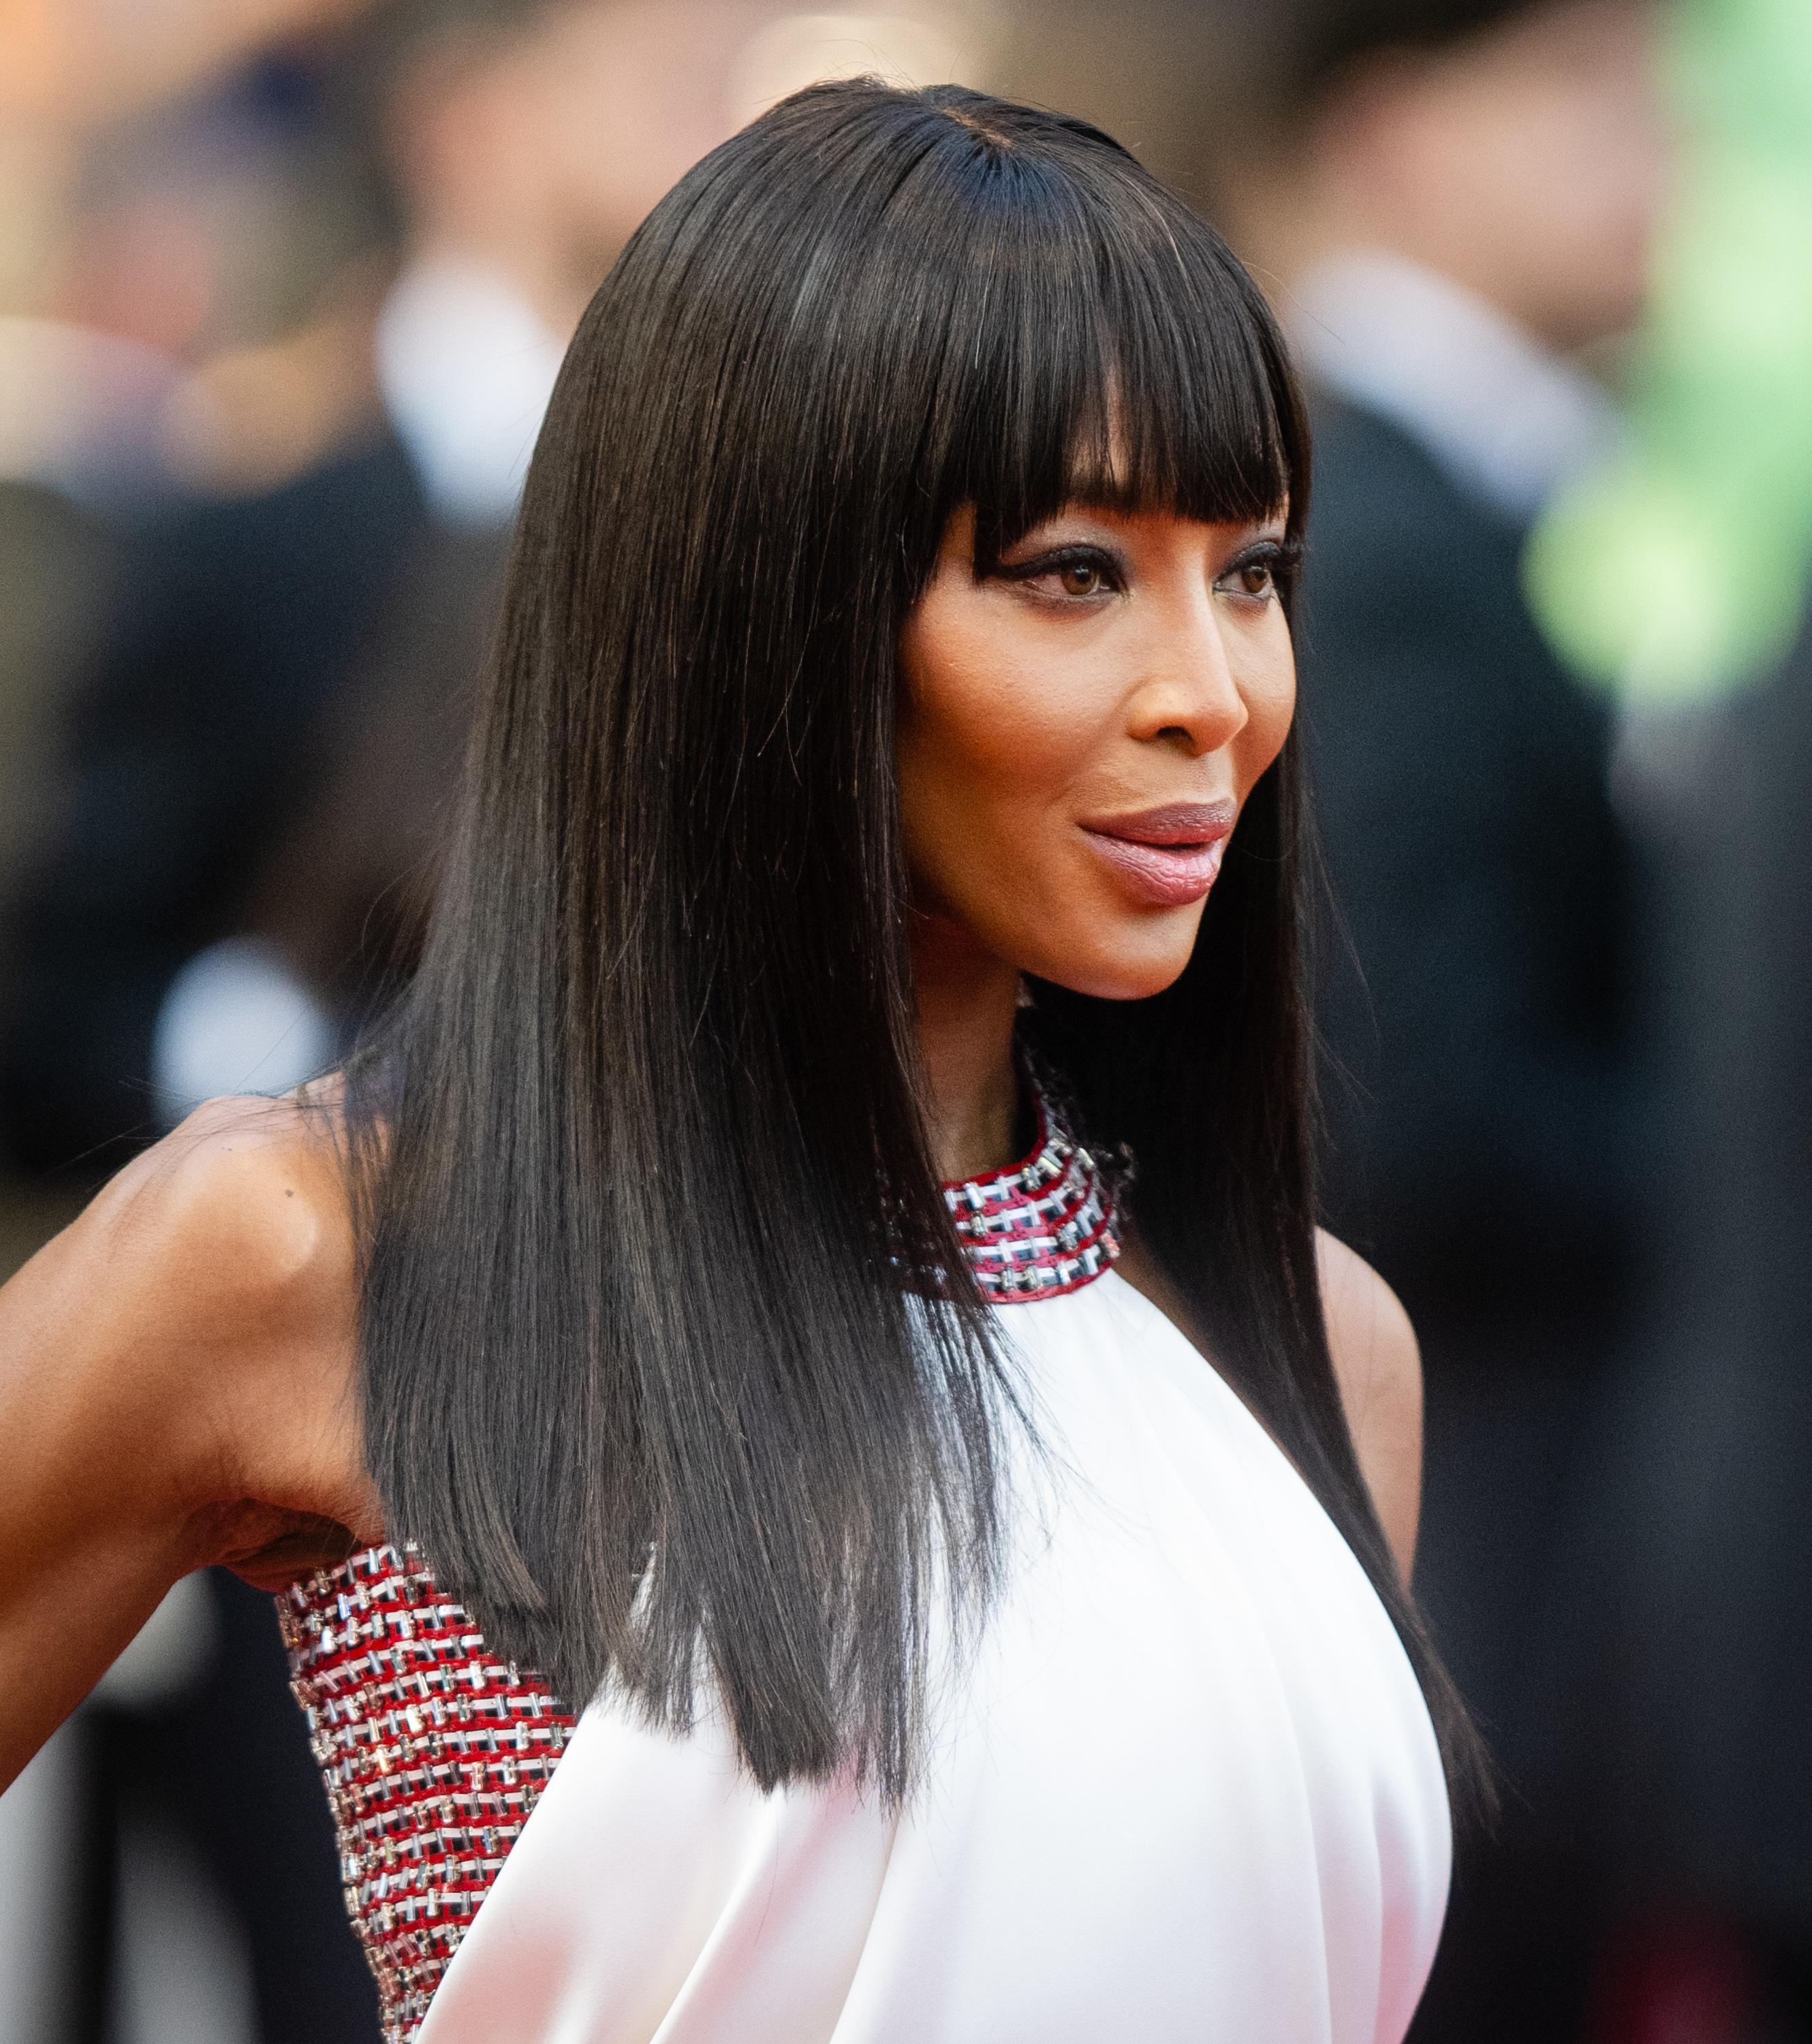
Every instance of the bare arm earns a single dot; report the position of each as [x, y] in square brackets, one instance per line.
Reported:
[175, 1389]
[1378, 1367]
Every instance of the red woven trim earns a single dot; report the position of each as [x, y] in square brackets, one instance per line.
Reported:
[434, 1752]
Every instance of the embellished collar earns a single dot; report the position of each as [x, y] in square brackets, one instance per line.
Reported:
[1045, 1226]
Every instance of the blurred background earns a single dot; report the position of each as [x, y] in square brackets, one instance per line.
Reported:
[283, 287]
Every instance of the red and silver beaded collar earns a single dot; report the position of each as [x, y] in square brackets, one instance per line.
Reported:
[1045, 1226]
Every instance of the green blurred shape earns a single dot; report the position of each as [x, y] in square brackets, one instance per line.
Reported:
[1682, 571]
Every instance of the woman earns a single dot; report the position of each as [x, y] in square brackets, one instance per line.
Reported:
[986, 1638]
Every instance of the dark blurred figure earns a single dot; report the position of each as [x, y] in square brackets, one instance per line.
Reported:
[185, 229]
[1686, 1647]
[264, 636]
[146, 266]
[1465, 202]
[238, 842]
[183, 251]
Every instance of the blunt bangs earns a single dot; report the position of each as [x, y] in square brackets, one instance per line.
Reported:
[1123, 360]
[1073, 332]
[1043, 321]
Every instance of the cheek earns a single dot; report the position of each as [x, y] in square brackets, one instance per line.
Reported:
[985, 736]
[1269, 690]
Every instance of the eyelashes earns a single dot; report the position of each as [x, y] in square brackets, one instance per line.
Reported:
[1283, 556]
[1085, 570]
[1276, 560]
[1078, 562]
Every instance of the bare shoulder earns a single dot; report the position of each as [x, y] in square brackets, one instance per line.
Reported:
[195, 1330]
[1376, 1356]
[242, 1208]
[205, 1305]
[177, 1385]
[1378, 1366]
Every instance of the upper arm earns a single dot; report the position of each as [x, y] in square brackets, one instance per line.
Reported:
[1378, 1367]
[174, 1373]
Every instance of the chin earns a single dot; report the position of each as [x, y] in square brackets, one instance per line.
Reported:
[1135, 972]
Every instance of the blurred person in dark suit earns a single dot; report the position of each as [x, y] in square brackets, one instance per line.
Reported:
[1466, 216]
[524, 139]
[250, 788]
[57, 567]
[1465, 202]
[171, 232]
[148, 268]
[1686, 1652]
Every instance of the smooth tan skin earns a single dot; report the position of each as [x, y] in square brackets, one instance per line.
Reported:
[176, 1368]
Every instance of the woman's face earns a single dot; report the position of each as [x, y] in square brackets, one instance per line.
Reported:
[1078, 731]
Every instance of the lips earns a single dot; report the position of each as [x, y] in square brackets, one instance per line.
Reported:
[1168, 856]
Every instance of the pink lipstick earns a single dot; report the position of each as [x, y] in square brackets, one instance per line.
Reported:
[1168, 856]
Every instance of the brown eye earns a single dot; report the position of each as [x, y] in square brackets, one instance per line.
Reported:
[1080, 578]
[1256, 579]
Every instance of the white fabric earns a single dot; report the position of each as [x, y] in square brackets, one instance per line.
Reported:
[467, 368]
[1190, 1791]
[1506, 418]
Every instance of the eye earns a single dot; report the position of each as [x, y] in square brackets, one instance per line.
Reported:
[1073, 574]
[1255, 577]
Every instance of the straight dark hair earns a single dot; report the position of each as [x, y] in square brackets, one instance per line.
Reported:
[661, 1366]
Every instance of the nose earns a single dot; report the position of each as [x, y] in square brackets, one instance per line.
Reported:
[1187, 695]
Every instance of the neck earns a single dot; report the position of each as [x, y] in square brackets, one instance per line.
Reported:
[967, 1001]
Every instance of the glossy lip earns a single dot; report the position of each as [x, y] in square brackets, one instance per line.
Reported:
[1170, 855]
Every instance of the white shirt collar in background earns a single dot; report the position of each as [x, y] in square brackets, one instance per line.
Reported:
[79, 411]
[467, 369]
[1506, 418]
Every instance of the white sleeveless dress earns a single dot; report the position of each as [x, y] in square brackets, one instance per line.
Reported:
[1189, 1789]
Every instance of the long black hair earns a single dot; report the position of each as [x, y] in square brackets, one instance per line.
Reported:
[655, 1366]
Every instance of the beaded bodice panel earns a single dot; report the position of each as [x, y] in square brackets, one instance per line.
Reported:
[435, 1752]
[1047, 1226]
